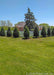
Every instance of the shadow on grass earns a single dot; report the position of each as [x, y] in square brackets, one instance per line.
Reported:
[35, 37]
[25, 38]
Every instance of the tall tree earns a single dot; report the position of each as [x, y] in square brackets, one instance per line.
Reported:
[30, 19]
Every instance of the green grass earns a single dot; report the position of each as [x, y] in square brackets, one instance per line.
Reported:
[18, 56]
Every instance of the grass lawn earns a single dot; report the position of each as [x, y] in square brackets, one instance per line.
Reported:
[21, 57]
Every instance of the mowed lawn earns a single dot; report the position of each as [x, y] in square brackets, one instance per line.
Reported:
[21, 57]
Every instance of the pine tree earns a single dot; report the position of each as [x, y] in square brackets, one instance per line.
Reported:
[30, 20]
[53, 32]
[26, 33]
[9, 34]
[48, 32]
[36, 32]
[15, 33]
[43, 32]
[2, 32]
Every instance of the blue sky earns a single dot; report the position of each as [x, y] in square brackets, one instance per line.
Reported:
[14, 10]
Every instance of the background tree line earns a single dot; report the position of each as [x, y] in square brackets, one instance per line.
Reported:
[6, 23]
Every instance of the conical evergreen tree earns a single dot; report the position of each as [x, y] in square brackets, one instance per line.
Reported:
[43, 32]
[30, 20]
[15, 33]
[2, 32]
[48, 32]
[53, 32]
[36, 32]
[26, 33]
[9, 34]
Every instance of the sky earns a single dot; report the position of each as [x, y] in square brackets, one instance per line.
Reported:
[14, 10]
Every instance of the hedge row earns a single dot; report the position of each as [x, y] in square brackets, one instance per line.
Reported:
[26, 34]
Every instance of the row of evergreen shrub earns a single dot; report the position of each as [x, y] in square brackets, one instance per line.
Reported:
[9, 33]
[44, 33]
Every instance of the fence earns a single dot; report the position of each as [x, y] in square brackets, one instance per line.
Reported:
[22, 32]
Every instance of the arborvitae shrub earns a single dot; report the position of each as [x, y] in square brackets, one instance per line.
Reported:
[2, 32]
[15, 33]
[36, 32]
[49, 32]
[26, 32]
[53, 32]
[9, 34]
[43, 32]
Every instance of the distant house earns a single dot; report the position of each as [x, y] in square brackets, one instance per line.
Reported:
[40, 27]
[20, 26]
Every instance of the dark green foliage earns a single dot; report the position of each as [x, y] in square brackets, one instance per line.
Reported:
[9, 32]
[51, 27]
[2, 32]
[43, 32]
[48, 32]
[36, 32]
[15, 33]
[30, 20]
[53, 32]
[26, 33]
